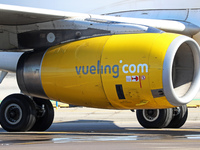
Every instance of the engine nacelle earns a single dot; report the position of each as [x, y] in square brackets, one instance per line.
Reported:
[132, 71]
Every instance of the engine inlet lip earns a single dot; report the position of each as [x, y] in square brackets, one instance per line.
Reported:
[167, 71]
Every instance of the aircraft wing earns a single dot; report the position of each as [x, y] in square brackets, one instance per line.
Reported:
[17, 15]
[33, 28]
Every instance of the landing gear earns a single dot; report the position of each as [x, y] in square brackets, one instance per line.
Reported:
[163, 118]
[20, 113]
[45, 115]
[154, 118]
[179, 117]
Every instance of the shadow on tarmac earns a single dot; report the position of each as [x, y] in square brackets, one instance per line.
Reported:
[95, 130]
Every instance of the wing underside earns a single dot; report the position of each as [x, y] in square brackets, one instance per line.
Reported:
[17, 15]
[32, 28]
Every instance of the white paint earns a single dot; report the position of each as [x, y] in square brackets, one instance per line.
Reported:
[51, 37]
[9, 60]
[3, 75]
[126, 5]
[132, 68]
[128, 78]
[123, 68]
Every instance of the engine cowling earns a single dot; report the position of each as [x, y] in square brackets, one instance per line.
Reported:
[132, 71]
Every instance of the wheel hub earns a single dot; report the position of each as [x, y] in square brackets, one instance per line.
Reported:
[13, 114]
[151, 114]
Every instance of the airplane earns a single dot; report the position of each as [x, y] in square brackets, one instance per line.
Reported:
[145, 59]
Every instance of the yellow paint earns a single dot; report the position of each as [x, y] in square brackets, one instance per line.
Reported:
[59, 77]
[63, 79]
[142, 103]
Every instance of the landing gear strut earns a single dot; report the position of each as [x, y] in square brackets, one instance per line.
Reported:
[45, 114]
[20, 113]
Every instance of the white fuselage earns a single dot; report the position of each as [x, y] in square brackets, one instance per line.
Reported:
[110, 6]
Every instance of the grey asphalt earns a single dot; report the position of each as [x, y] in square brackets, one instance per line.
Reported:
[97, 129]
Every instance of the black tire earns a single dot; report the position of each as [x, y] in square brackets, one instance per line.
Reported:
[181, 114]
[17, 113]
[154, 118]
[44, 118]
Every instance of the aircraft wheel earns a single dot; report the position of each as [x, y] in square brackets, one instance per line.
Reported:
[180, 117]
[154, 118]
[45, 114]
[17, 113]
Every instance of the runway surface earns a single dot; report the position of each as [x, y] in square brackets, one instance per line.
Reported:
[96, 129]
